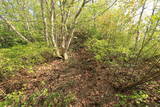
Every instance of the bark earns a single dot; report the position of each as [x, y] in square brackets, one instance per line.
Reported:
[52, 29]
[144, 43]
[62, 40]
[73, 24]
[44, 22]
[65, 12]
[139, 23]
[101, 13]
[149, 76]
[67, 36]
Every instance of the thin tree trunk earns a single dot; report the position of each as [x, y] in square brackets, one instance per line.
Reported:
[149, 76]
[73, 25]
[147, 30]
[139, 23]
[44, 22]
[52, 29]
[14, 29]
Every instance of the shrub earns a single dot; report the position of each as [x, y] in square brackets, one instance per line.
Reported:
[23, 56]
[137, 98]
[104, 52]
[42, 98]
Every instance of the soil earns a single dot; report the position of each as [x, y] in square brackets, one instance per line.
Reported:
[82, 75]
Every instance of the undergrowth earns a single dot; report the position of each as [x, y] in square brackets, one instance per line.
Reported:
[22, 56]
[42, 98]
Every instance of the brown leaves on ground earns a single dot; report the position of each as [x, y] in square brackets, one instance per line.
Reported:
[91, 82]
[78, 76]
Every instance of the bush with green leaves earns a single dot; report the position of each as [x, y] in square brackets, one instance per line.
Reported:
[23, 56]
[104, 52]
[8, 38]
[12, 99]
[137, 98]
[112, 41]
[42, 98]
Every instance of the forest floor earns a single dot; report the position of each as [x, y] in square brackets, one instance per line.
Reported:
[82, 75]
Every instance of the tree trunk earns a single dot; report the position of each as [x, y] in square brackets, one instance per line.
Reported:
[52, 29]
[14, 29]
[44, 22]
[65, 56]
[139, 23]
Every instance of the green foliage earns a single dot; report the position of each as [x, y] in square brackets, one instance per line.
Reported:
[24, 12]
[136, 98]
[42, 98]
[116, 38]
[110, 41]
[23, 56]
[12, 99]
[8, 38]
[113, 38]
[104, 52]
[58, 100]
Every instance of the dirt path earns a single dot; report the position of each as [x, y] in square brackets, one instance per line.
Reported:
[80, 76]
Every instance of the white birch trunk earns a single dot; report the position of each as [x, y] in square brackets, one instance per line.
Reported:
[14, 29]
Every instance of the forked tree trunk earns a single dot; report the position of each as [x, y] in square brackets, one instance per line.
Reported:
[65, 56]
[53, 28]
[66, 35]
[68, 42]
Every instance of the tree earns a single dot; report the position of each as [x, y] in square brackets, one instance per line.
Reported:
[54, 20]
